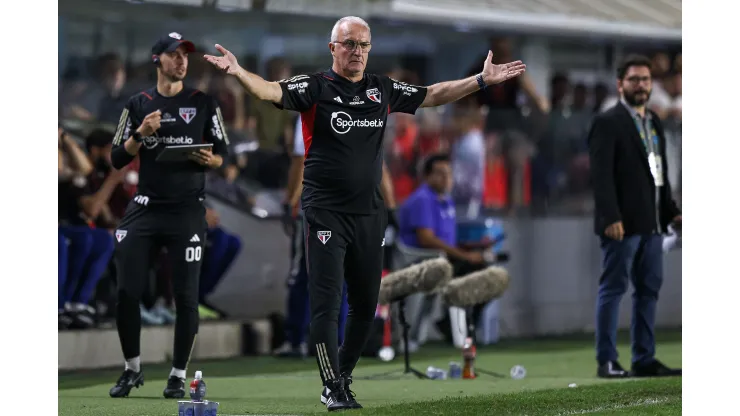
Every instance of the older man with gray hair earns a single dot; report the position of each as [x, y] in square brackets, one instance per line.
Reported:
[343, 114]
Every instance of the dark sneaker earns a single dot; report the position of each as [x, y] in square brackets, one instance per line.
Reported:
[175, 388]
[128, 380]
[654, 369]
[334, 396]
[65, 320]
[349, 393]
[611, 369]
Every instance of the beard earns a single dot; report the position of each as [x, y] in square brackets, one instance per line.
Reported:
[173, 76]
[637, 98]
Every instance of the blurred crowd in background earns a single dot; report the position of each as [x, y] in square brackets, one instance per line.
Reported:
[515, 151]
[514, 148]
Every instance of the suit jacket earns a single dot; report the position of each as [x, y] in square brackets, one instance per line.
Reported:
[624, 188]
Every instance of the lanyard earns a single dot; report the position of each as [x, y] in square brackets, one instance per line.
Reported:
[642, 128]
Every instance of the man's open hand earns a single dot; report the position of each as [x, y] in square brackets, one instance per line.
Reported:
[226, 63]
[495, 74]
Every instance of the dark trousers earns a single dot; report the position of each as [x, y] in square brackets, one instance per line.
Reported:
[143, 230]
[84, 254]
[638, 258]
[298, 313]
[342, 248]
[221, 251]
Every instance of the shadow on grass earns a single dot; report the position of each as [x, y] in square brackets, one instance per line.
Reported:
[269, 365]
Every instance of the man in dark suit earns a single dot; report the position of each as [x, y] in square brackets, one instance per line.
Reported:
[634, 208]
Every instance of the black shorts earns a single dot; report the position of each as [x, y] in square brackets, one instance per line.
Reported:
[143, 232]
[340, 248]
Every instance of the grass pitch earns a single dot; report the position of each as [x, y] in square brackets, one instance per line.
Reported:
[267, 386]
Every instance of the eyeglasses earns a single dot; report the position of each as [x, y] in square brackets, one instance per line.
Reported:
[351, 45]
[637, 80]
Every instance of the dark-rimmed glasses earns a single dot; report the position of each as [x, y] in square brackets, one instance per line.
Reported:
[351, 45]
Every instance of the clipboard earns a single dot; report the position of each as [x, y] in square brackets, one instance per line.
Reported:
[180, 153]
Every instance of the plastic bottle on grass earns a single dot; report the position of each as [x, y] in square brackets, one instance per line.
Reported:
[198, 388]
[469, 359]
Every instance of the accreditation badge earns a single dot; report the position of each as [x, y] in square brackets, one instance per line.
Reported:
[656, 168]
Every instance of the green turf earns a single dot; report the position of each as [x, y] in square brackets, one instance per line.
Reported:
[268, 386]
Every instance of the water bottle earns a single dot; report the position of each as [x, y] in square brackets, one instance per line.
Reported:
[455, 370]
[469, 359]
[435, 373]
[198, 388]
[518, 372]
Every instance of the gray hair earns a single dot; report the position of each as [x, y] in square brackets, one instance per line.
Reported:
[349, 19]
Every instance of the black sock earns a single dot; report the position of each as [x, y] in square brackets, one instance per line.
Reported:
[128, 321]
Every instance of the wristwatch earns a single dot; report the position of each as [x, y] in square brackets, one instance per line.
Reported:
[138, 138]
[481, 84]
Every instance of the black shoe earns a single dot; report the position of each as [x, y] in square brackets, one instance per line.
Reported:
[83, 317]
[611, 369]
[335, 396]
[654, 369]
[82, 320]
[128, 380]
[175, 388]
[65, 321]
[349, 393]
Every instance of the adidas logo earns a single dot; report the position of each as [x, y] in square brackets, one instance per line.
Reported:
[141, 200]
[329, 401]
[337, 99]
[195, 239]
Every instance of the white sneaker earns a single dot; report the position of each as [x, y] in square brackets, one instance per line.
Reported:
[167, 316]
[149, 318]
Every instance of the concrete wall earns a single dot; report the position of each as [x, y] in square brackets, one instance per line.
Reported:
[101, 348]
[255, 284]
[555, 267]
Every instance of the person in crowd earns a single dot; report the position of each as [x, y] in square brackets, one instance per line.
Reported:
[427, 220]
[468, 158]
[269, 164]
[112, 92]
[84, 251]
[221, 250]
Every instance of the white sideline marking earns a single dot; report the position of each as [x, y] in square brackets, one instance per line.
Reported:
[637, 403]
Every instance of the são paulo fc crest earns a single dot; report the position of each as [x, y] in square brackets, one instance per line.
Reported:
[324, 236]
[187, 114]
[373, 94]
[120, 235]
